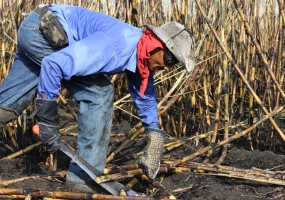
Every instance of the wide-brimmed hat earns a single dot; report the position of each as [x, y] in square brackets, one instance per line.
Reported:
[178, 39]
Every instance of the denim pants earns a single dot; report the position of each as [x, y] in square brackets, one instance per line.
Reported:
[94, 96]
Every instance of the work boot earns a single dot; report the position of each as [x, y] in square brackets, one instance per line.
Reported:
[80, 181]
[7, 116]
[150, 160]
[83, 187]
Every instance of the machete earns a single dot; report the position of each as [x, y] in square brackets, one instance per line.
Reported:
[114, 187]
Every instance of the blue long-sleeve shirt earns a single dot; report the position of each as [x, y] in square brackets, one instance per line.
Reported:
[98, 44]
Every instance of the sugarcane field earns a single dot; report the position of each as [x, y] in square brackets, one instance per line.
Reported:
[225, 120]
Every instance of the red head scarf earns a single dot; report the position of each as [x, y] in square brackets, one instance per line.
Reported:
[147, 43]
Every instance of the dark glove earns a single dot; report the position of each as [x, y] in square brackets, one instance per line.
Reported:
[47, 118]
[150, 160]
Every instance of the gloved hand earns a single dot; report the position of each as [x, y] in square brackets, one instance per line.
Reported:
[47, 119]
[150, 160]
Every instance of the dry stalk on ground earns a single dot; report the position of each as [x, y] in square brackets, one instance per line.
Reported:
[23, 193]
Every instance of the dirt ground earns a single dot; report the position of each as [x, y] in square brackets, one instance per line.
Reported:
[187, 185]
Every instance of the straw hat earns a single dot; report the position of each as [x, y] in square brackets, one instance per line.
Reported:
[179, 41]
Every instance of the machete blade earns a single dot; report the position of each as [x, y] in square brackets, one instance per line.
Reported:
[113, 187]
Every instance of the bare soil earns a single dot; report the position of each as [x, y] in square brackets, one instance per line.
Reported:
[187, 185]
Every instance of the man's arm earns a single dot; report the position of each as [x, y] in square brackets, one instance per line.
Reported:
[92, 55]
[82, 58]
[147, 111]
[147, 105]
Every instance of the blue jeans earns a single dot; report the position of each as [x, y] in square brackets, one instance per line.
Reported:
[94, 95]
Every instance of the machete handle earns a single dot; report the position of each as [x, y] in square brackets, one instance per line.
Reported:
[36, 129]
